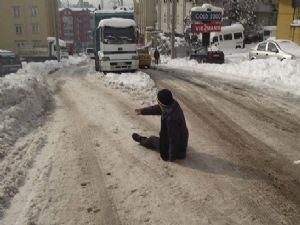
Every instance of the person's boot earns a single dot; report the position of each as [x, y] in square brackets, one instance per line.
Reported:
[136, 137]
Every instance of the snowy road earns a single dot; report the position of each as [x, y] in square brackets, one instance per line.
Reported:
[240, 167]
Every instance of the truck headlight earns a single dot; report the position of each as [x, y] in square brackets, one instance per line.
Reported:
[135, 57]
[105, 58]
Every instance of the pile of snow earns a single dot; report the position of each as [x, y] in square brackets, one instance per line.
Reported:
[285, 74]
[138, 85]
[24, 99]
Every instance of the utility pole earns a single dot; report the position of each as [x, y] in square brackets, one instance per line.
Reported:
[56, 30]
[174, 15]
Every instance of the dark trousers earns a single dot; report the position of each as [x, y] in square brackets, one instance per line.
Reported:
[151, 143]
[156, 61]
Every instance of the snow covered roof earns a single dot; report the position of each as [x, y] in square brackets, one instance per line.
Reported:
[5, 52]
[207, 7]
[61, 42]
[117, 22]
[115, 11]
[79, 9]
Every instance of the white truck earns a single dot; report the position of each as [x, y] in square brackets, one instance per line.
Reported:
[117, 46]
[43, 53]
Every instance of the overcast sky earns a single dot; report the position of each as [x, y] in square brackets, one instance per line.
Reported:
[106, 2]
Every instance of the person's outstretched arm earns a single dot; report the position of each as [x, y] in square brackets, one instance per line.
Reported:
[152, 110]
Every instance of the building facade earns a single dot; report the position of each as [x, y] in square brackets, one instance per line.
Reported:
[145, 14]
[288, 25]
[76, 27]
[26, 23]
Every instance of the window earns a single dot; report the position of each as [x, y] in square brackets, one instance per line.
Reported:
[35, 28]
[272, 47]
[20, 44]
[238, 35]
[215, 39]
[36, 43]
[16, 11]
[33, 11]
[227, 37]
[18, 28]
[262, 46]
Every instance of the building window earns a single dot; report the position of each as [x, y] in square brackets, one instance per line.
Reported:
[20, 44]
[18, 28]
[35, 28]
[16, 11]
[33, 11]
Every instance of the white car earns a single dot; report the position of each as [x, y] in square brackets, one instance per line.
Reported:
[280, 49]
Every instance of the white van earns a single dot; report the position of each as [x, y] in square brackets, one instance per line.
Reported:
[269, 32]
[229, 37]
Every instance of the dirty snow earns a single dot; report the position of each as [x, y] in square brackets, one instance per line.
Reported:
[138, 85]
[272, 72]
[24, 99]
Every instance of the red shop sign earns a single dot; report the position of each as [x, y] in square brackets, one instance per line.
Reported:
[207, 27]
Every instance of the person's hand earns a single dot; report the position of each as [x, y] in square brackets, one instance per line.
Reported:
[138, 111]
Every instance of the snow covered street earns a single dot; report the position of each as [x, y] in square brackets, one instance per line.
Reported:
[67, 156]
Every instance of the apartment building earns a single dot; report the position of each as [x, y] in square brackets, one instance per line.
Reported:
[26, 23]
[76, 27]
[288, 26]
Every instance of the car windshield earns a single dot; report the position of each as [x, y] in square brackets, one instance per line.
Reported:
[113, 35]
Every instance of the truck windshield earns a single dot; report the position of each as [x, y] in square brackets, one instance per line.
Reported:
[113, 35]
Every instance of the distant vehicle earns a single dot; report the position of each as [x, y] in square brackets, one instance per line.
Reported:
[212, 55]
[9, 62]
[280, 49]
[144, 57]
[269, 31]
[40, 54]
[229, 37]
[115, 41]
[90, 52]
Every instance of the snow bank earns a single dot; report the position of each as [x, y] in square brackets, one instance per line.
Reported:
[24, 98]
[138, 85]
[285, 75]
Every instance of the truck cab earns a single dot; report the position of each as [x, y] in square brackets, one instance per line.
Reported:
[117, 46]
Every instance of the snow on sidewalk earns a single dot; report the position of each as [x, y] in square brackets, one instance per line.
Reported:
[272, 72]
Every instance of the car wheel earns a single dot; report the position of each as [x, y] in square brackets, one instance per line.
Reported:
[252, 58]
[282, 59]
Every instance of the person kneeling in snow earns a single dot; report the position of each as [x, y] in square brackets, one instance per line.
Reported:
[173, 140]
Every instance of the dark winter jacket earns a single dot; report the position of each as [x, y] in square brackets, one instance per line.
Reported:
[156, 54]
[173, 132]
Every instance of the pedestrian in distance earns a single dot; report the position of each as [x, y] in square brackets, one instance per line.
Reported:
[173, 137]
[156, 56]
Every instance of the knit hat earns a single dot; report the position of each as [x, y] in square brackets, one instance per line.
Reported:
[165, 97]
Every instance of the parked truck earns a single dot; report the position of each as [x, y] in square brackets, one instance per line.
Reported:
[115, 41]
[43, 53]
